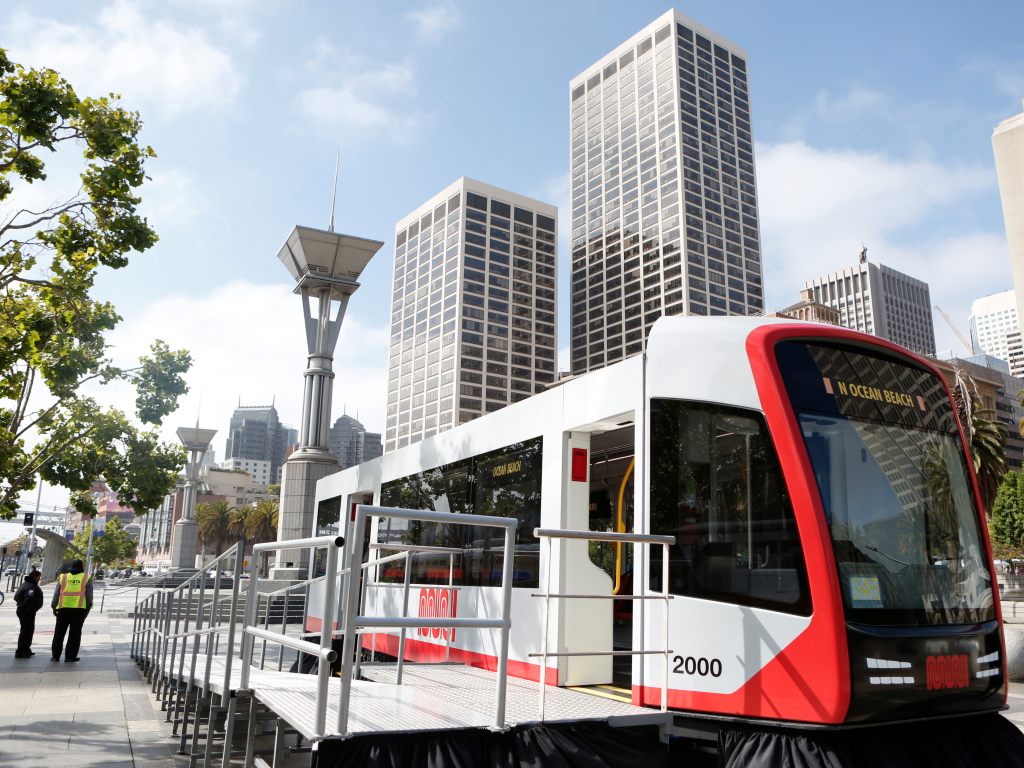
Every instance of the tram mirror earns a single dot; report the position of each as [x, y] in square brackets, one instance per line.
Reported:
[739, 425]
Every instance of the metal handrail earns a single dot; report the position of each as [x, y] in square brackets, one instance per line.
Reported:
[333, 544]
[327, 654]
[616, 538]
[352, 595]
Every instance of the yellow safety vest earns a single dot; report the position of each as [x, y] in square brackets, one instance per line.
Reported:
[72, 590]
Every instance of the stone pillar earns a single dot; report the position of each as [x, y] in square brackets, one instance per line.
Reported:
[185, 536]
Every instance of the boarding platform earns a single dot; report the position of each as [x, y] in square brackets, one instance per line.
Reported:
[204, 648]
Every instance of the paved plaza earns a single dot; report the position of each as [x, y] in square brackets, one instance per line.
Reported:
[99, 711]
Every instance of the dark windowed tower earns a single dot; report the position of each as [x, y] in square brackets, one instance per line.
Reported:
[664, 199]
[473, 309]
[352, 444]
[255, 432]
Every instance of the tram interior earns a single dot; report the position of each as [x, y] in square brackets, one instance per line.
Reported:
[611, 509]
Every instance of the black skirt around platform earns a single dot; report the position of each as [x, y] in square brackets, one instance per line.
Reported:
[575, 745]
[976, 741]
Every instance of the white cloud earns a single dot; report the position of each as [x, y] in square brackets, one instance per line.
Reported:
[247, 341]
[436, 20]
[154, 64]
[818, 206]
[359, 98]
[171, 197]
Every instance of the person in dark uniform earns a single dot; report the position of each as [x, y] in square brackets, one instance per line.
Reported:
[72, 601]
[29, 598]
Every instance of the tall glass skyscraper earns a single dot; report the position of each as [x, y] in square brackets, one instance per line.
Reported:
[664, 199]
[473, 309]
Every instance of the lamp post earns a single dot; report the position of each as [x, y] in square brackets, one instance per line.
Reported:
[185, 538]
[326, 266]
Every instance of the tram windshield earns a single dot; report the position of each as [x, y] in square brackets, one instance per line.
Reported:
[887, 457]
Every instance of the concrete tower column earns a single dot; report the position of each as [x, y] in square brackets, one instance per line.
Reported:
[325, 265]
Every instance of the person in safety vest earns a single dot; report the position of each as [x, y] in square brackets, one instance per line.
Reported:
[72, 601]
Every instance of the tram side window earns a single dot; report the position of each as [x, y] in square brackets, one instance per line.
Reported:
[716, 485]
[501, 483]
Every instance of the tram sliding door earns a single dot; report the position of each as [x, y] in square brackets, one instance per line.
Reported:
[611, 509]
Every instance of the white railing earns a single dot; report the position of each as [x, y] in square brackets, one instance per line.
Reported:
[354, 622]
[323, 651]
[615, 538]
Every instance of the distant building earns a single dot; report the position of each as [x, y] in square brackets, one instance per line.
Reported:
[809, 310]
[255, 432]
[236, 485]
[352, 444]
[1003, 398]
[881, 301]
[995, 329]
[1008, 147]
[259, 469]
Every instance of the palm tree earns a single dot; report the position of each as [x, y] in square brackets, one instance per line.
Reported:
[214, 523]
[987, 438]
[988, 450]
[261, 524]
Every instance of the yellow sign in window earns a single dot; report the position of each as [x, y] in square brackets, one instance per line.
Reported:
[864, 588]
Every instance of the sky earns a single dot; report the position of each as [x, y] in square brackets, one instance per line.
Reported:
[872, 125]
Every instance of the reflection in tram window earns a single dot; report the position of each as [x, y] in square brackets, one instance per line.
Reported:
[716, 485]
[501, 483]
[883, 442]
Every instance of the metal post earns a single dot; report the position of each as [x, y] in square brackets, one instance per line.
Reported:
[362, 607]
[451, 594]
[323, 669]
[250, 619]
[507, 575]
[284, 631]
[405, 614]
[229, 727]
[192, 669]
[179, 694]
[351, 599]
[664, 620]
[544, 633]
[266, 625]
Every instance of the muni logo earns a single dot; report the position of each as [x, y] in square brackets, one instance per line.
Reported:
[946, 672]
[438, 603]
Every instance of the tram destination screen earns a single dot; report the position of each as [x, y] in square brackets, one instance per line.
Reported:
[890, 468]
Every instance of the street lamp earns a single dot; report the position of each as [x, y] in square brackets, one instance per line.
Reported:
[325, 265]
[185, 539]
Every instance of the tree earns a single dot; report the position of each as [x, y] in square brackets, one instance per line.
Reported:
[987, 438]
[215, 523]
[261, 524]
[1007, 526]
[111, 545]
[239, 521]
[52, 332]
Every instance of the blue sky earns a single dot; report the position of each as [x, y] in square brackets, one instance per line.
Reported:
[872, 123]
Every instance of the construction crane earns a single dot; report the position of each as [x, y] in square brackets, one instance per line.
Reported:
[956, 330]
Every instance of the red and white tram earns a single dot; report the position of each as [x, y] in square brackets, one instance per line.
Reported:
[831, 563]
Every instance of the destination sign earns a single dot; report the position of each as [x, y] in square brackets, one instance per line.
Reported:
[861, 383]
[507, 469]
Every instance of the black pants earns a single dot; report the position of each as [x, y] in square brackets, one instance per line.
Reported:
[27, 617]
[73, 619]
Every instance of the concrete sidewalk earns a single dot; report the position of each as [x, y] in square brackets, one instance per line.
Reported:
[94, 712]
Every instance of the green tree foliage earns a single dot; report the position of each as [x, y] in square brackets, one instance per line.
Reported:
[113, 545]
[1007, 525]
[215, 523]
[261, 524]
[52, 332]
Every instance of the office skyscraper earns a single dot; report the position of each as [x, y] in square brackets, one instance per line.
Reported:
[1008, 147]
[255, 432]
[473, 309]
[995, 329]
[664, 199]
[881, 301]
[352, 444]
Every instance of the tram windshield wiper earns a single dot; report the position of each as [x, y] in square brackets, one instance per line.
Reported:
[889, 557]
